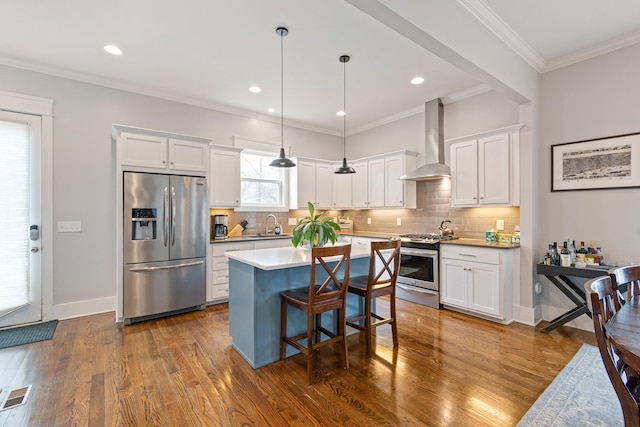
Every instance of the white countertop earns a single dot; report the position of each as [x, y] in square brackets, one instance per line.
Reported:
[278, 258]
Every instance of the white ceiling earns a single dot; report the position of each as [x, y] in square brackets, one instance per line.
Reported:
[208, 52]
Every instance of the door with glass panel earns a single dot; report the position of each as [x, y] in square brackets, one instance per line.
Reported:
[20, 188]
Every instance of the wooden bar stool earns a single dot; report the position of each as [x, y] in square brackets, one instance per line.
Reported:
[317, 298]
[381, 281]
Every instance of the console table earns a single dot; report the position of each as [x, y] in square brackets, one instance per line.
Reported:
[559, 276]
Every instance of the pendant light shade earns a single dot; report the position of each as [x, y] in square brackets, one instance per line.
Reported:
[344, 168]
[282, 161]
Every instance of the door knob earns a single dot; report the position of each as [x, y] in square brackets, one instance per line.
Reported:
[34, 249]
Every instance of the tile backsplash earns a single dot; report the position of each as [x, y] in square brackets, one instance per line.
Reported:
[433, 205]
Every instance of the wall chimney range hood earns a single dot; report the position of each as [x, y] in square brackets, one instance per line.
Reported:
[434, 145]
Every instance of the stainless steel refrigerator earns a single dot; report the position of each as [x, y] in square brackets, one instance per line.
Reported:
[165, 238]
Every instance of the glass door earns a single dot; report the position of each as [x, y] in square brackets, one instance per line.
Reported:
[20, 234]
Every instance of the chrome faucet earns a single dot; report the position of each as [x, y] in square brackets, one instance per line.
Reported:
[266, 224]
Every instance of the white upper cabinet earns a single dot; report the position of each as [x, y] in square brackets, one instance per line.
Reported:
[360, 185]
[143, 148]
[188, 155]
[377, 182]
[311, 181]
[342, 188]
[399, 193]
[485, 169]
[224, 175]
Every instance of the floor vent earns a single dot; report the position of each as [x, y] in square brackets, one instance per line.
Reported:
[15, 398]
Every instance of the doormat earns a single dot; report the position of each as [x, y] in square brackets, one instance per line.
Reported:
[27, 334]
[581, 395]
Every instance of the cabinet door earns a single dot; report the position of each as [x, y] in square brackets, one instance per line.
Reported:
[453, 286]
[376, 183]
[360, 185]
[342, 190]
[306, 174]
[144, 151]
[394, 187]
[493, 170]
[484, 289]
[188, 155]
[324, 185]
[225, 179]
[464, 173]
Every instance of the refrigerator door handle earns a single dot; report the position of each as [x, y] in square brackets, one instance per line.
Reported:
[173, 216]
[167, 267]
[166, 215]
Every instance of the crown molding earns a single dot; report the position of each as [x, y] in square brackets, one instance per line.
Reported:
[593, 51]
[497, 26]
[156, 93]
[458, 96]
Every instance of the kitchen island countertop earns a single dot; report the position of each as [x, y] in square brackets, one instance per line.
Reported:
[288, 257]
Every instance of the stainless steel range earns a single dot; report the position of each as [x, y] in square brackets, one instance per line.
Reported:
[418, 279]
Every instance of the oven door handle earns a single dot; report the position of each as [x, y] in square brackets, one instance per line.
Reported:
[422, 252]
[414, 289]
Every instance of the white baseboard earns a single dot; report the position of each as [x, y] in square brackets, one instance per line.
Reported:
[84, 308]
[526, 315]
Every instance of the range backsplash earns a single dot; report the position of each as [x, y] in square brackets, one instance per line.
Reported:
[433, 205]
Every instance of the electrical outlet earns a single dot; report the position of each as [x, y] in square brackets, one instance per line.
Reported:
[398, 222]
[292, 221]
[500, 224]
[369, 221]
[69, 227]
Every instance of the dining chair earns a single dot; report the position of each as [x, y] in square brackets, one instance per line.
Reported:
[384, 263]
[626, 278]
[601, 299]
[327, 291]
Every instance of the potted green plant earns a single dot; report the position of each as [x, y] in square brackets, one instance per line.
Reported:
[315, 231]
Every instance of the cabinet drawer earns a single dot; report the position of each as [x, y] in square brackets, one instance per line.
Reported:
[470, 253]
[220, 277]
[218, 249]
[219, 292]
[219, 263]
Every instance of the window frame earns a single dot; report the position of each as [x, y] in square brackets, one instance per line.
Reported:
[284, 182]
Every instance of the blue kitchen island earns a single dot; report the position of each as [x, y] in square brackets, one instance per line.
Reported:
[256, 278]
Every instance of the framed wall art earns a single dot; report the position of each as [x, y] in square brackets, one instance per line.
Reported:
[612, 162]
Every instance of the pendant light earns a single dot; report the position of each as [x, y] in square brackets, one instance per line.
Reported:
[344, 168]
[282, 161]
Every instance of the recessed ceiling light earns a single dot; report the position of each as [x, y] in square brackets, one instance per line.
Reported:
[113, 49]
[255, 89]
[341, 113]
[272, 110]
[417, 80]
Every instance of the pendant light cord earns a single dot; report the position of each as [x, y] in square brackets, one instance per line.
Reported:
[344, 108]
[282, 89]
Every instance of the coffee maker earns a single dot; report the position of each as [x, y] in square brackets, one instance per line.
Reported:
[219, 227]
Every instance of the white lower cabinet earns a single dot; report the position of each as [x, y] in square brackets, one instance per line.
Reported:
[478, 280]
[218, 288]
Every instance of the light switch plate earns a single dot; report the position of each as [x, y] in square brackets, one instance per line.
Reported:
[69, 227]
[292, 221]
[398, 221]
[369, 221]
[500, 224]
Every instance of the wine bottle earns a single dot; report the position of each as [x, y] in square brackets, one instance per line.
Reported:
[565, 257]
[581, 253]
[555, 259]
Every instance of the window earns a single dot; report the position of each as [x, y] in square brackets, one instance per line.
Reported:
[261, 184]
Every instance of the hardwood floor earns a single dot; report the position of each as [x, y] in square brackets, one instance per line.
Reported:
[450, 369]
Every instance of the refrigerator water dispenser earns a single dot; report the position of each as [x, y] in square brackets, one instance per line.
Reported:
[143, 224]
